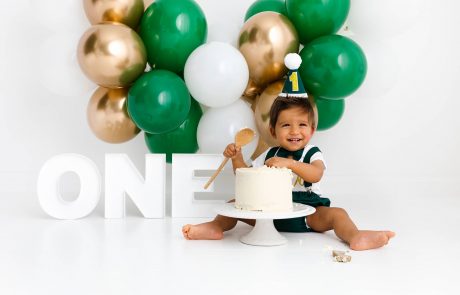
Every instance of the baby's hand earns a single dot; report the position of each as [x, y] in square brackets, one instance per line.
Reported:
[231, 151]
[279, 162]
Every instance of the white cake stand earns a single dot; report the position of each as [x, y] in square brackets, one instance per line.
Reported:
[264, 232]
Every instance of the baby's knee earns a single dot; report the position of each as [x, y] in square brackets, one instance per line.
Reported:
[338, 212]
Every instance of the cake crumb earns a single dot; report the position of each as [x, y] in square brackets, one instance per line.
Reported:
[340, 256]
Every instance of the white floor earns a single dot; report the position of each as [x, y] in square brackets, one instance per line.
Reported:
[41, 255]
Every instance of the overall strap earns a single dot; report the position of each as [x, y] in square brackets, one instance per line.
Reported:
[271, 153]
[307, 159]
[310, 153]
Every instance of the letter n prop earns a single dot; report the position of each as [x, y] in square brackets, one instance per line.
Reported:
[122, 179]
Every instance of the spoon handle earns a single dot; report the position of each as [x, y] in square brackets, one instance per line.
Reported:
[216, 173]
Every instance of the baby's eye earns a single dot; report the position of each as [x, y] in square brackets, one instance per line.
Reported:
[285, 125]
[303, 124]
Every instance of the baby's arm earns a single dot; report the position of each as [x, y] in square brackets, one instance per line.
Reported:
[234, 152]
[309, 172]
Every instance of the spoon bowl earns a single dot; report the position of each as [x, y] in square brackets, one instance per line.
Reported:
[244, 136]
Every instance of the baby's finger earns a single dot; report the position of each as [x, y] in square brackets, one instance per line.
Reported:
[227, 152]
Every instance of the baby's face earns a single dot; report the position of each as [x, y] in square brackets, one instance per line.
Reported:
[293, 130]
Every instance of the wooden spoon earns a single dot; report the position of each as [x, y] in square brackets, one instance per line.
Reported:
[242, 137]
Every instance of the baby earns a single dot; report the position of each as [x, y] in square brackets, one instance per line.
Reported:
[292, 124]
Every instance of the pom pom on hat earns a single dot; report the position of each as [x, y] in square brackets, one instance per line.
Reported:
[293, 85]
[292, 61]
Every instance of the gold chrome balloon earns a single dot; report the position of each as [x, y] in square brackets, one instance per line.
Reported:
[262, 111]
[262, 146]
[108, 115]
[251, 91]
[311, 99]
[264, 41]
[128, 12]
[111, 55]
[262, 108]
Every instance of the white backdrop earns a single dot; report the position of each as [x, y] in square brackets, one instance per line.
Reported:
[399, 134]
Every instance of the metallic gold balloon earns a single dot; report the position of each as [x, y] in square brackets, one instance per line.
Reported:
[128, 12]
[108, 115]
[251, 91]
[311, 99]
[262, 111]
[264, 41]
[262, 146]
[111, 55]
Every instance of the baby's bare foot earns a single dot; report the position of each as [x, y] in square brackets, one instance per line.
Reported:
[367, 239]
[203, 231]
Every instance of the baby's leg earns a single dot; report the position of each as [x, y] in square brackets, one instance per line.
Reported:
[371, 239]
[212, 230]
[326, 218]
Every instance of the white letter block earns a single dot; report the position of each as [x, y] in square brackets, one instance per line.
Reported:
[51, 200]
[185, 184]
[122, 178]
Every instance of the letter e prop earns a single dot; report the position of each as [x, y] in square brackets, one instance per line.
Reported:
[122, 178]
[185, 184]
[49, 196]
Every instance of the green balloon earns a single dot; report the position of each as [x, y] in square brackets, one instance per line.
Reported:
[158, 101]
[329, 112]
[171, 30]
[180, 140]
[266, 5]
[316, 18]
[333, 67]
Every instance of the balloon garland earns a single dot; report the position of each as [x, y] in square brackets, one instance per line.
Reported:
[185, 72]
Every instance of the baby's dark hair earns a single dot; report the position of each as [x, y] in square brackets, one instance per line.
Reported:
[282, 103]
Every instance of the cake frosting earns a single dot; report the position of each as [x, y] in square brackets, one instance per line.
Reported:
[267, 189]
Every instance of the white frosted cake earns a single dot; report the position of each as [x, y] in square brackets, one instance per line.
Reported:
[263, 189]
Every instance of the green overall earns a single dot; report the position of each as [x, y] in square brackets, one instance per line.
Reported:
[307, 197]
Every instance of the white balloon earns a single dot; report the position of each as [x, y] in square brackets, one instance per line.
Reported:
[216, 74]
[218, 127]
[58, 66]
[377, 19]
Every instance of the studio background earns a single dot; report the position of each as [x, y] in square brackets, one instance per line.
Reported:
[393, 163]
[399, 135]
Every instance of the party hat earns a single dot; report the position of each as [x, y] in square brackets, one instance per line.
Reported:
[293, 85]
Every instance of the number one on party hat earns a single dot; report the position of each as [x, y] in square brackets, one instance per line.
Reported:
[293, 85]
